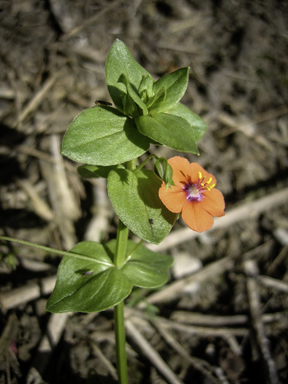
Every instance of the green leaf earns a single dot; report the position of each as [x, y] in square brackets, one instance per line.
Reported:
[197, 124]
[92, 171]
[132, 103]
[170, 130]
[103, 136]
[147, 269]
[175, 84]
[134, 197]
[155, 103]
[144, 268]
[88, 281]
[120, 61]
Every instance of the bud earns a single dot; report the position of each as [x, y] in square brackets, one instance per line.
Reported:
[163, 170]
[145, 89]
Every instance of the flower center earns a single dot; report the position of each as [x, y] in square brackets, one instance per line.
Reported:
[194, 191]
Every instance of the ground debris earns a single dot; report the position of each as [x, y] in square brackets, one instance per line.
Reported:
[225, 321]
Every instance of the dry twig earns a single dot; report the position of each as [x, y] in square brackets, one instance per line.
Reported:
[251, 270]
[151, 353]
[175, 289]
[37, 99]
[63, 201]
[26, 293]
[198, 364]
[220, 321]
[269, 282]
[106, 362]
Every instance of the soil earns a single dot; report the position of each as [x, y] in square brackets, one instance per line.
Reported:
[222, 317]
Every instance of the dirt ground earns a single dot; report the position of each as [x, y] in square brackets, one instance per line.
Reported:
[222, 317]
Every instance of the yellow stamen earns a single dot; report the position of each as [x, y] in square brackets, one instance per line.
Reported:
[205, 185]
[210, 187]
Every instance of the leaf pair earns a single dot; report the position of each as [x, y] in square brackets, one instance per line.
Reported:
[88, 281]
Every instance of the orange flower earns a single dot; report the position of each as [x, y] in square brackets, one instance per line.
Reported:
[193, 194]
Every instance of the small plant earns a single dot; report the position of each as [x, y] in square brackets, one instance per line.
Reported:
[108, 141]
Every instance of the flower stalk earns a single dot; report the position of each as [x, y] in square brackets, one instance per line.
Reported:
[119, 327]
[120, 340]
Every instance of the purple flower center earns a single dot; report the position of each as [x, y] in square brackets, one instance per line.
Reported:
[194, 191]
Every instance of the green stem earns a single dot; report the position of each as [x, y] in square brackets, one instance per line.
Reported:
[52, 250]
[145, 161]
[121, 246]
[120, 339]
[119, 260]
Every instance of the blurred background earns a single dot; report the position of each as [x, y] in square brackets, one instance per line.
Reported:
[52, 67]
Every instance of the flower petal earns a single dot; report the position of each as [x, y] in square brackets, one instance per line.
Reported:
[196, 217]
[173, 198]
[213, 202]
[181, 170]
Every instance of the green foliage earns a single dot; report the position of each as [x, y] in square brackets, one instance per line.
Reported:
[134, 197]
[92, 171]
[119, 62]
[105, 139]
[197, 124]
[154, 105]
[170, 130]
[103, 136]
[88, 281]
[146, 111]
[164, 171]
[132, 103]
[9, 260]
[174, 85]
